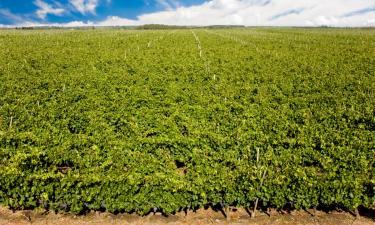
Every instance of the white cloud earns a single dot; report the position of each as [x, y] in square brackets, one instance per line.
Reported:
[85, 6]
[44, 9]
[267, 13]
[117, 21]
[247, 12]
[262, 13]
[69, 24]
[371, 22]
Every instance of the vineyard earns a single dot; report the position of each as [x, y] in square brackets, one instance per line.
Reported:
[170, 120]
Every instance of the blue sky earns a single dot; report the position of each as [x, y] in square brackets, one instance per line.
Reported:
[187, 12]
[83, 10]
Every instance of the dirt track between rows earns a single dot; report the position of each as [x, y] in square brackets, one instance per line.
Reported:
[202, 217]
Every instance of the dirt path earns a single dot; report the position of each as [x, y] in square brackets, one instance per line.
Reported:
[203, 217]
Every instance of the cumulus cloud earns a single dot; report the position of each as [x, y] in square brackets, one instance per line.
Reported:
[44, 9]
[85, 6]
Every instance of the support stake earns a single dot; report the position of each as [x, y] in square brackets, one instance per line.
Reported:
[11, 122]
[227, 213]
[255, 208]
[357, 215]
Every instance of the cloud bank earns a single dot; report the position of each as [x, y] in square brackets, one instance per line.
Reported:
[339, 13]
[269, 13]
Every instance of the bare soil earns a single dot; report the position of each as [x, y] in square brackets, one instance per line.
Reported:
[204, 217]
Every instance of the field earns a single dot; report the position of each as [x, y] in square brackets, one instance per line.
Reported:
[171, 120]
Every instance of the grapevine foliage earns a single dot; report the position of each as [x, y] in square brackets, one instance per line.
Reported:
[132, 121]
